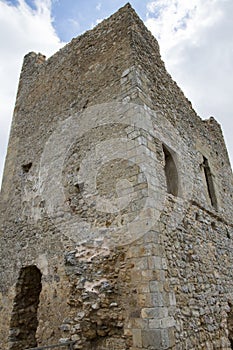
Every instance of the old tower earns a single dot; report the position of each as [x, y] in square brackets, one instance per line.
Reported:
[116, 204]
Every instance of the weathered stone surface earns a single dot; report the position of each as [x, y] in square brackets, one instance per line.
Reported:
[120, 197]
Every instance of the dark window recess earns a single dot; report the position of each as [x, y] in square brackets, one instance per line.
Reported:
[209, 183]
[26, 167]
[230, 326]
[170, 173]
[24, 321]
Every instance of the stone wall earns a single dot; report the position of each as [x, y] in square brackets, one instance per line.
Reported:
[120, 196]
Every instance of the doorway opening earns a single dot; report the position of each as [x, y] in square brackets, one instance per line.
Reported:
[24, 320]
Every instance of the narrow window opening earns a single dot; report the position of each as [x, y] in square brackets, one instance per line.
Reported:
[170, 173]
[209, 183]
[24, 321]
[230, 326]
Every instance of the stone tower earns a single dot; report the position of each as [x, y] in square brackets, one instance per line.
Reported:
[116, 203]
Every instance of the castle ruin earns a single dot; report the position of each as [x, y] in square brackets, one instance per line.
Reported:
[116, 204]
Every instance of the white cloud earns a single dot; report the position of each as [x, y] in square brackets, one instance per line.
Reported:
[75, 24]
[99, 20]
[174, 21]
[22, 30]
[98, 6]
[195, 38]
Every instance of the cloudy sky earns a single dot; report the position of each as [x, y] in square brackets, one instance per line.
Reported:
[195, 37]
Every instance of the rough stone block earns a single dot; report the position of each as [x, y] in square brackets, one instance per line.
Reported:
[137, 337]
[154, 312]
[152, 339]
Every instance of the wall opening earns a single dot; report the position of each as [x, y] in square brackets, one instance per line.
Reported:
[209, 183]
[24, 321]
[26, 167]
[230, 326]
[170, 173]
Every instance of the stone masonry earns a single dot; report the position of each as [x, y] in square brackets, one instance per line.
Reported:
[116, 204]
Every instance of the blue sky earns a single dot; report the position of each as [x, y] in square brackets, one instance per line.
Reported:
[72, 17]
[195, 38]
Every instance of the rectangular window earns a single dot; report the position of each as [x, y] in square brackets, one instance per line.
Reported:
[209, 183]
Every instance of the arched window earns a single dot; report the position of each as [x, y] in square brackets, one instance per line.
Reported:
[170, 172]
[24, 321]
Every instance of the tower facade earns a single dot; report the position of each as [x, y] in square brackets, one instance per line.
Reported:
[116, 225]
